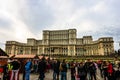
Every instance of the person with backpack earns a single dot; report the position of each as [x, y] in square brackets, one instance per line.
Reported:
[28, 67]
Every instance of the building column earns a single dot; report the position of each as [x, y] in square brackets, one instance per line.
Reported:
[38, 52]
[43, 50]
[13, 50]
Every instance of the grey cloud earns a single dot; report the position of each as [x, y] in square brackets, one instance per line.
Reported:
[84, 3]
[110, 31]
[5, 22]
[37, 15]
[2, 45]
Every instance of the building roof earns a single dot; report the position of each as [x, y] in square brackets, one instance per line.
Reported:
[3, 53]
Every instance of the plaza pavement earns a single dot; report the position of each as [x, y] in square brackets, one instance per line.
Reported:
[48, 76]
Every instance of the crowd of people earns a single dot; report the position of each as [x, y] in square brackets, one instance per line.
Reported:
[83, 70]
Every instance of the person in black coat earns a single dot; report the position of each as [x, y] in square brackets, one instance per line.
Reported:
[15, 70]
[117, 75]
[5, 72]
[72, 68]
[92, 69]
[82, 71]
[63, 70]
[56, 71]
[42, 68]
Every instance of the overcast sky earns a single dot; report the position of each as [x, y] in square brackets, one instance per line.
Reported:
[22, 19]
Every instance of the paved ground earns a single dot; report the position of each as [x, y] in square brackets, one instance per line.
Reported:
[48, 76]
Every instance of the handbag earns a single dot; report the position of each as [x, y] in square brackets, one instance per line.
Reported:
[77, 77]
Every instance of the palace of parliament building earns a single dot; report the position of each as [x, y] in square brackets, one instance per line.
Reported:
[62, 42]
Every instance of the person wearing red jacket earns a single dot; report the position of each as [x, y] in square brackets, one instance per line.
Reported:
[110, 71]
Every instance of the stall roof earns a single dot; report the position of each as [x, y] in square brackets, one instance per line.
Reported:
[3, 57]
[25, 56]
[32, 56]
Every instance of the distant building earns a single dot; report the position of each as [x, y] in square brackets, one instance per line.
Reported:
[62, 42]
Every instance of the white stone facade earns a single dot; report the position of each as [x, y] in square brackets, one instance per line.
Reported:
[62, 42]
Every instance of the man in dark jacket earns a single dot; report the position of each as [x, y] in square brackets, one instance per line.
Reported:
[63, 70]
[15, 69]
[91, 69]
[5, 72]
[42, 68]
[72, 68]
[56, 65]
